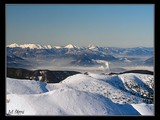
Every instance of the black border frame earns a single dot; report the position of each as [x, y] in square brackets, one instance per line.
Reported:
[156, 28]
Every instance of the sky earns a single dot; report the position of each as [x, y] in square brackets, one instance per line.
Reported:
[108, 25]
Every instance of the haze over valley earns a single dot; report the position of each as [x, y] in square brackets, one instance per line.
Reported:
[70, 57]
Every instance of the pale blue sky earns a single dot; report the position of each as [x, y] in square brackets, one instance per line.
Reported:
[110, 25]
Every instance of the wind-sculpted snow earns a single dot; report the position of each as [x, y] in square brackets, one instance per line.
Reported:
[15, 86]
[67, 101]
[114, 87]
[82, 94]
[144, 109]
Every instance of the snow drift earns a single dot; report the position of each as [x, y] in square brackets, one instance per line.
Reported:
[67, 101]
[80, 94]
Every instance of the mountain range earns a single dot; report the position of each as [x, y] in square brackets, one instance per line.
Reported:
[33, 55]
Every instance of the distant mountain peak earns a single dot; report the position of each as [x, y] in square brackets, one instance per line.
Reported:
[91, 46]
[70, 46]
[13, 45]
[57, 47]
[31, 46]
[48, 47]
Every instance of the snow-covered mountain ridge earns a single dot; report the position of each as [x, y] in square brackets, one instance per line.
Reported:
[83, 94]
[69, 46]
[137, 85]
[38, 46]
[31, 46]
[34, 55]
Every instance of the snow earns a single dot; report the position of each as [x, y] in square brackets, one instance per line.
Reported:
[48, 47]
[93, 47]
[31, 46]
[13, 45]
[15, 86]
[144, 109]
[140, 79]
[57, 47]
[37, 46]
[66, 101]
[80, 94]
[113, 87]
[69, 46]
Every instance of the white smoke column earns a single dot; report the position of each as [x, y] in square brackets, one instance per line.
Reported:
[107, 66]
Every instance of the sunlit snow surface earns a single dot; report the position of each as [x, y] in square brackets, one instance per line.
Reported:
[92, 94]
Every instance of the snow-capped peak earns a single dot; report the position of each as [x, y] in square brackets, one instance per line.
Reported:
[48, 47]
[57, 47]
[92, 47]
[13, 45]
[31, 46]
[70, 46]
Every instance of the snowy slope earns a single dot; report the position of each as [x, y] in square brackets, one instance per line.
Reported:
[144, 109]
[66, 101]
[112, 87]
[81, 94]
[15, 86]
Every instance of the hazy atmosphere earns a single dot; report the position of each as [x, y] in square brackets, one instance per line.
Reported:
[80, 59]
[115, 25]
